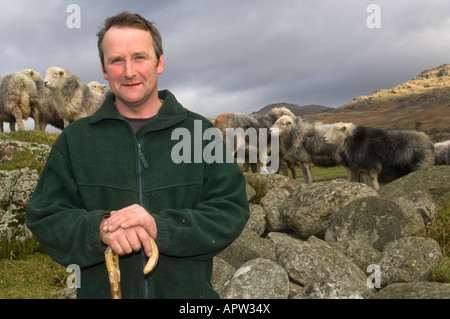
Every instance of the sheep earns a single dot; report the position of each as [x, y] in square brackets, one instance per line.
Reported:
[18, 100]
[74, 99]
[46, 102]
[301, 141]
[442, 153]
[260, 124]
[371, 153]
[99, 88]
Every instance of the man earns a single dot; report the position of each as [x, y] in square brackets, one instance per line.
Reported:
[110, 180]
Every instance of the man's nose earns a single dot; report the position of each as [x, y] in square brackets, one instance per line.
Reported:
[129, 70]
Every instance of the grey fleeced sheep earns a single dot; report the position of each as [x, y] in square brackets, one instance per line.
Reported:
[74, 99]
[372, 154]
[260, 124]
[442, 153]
[18, 100]
[46, 102]
[302, 142]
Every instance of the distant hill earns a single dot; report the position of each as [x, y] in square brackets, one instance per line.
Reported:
[296, 109]
[422, 103]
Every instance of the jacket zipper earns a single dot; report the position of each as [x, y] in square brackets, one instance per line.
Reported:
[142, 162]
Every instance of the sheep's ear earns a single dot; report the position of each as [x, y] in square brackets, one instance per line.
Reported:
[61, 73]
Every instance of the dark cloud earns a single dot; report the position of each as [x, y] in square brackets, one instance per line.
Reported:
[239, 56]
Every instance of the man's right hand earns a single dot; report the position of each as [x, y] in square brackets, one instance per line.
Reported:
[124, 241]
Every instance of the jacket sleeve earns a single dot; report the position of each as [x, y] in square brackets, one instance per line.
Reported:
[58, 219]
[214, 223]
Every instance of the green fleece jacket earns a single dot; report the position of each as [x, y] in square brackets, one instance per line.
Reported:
[98, 165]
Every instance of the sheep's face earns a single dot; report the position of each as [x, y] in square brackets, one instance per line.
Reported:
[283, 124]
[337, 132]
[53, 77]
[97, 87]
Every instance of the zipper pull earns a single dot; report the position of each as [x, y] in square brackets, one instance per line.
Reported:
[143, 160]
[142, 157]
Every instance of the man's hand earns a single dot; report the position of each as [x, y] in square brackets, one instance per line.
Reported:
[129, 229]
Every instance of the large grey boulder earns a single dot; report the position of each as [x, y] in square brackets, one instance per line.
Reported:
[249, 245]
[309, 209]
[258, 279]
[373, 221]
[432, 180]
[310, 261]
[408, 259]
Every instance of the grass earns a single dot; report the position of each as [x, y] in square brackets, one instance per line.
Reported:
[37, 137]
[27, 158]
[439, 230]
[323, 173]
[35, 276]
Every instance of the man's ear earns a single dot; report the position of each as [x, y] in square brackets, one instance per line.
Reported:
[160, 67]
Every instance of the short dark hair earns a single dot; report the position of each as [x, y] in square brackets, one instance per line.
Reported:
[126, 19]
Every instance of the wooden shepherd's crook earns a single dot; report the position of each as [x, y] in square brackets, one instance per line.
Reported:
[112, 265]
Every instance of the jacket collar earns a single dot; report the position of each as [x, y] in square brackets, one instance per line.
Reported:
[171, 113]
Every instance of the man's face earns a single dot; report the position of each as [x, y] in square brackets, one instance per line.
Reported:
[131, 66]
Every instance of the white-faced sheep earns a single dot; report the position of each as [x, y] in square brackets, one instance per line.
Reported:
[18, 100]
[99, 88]
[371, 153]
[442, 153]
[301, 141]
[74, 99]
[46, 102]
[259, 125]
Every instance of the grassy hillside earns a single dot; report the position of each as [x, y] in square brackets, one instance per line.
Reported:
[422, 103]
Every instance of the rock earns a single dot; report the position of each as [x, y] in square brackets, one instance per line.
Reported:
[361, 254]
[432, 180]
[309, 209]
[257, 221]
[221, 274]
[276, 181]
[326, 288]
[294, 290]
[271, 203]
[373, 221]
[258, 279]
[251, 193]
[422, 203]
[311, 260]
[408, 259]
[16, 188]
[415, 290]
[66, 293]
[246, 247]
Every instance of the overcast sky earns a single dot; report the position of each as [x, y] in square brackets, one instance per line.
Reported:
[241, 55]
